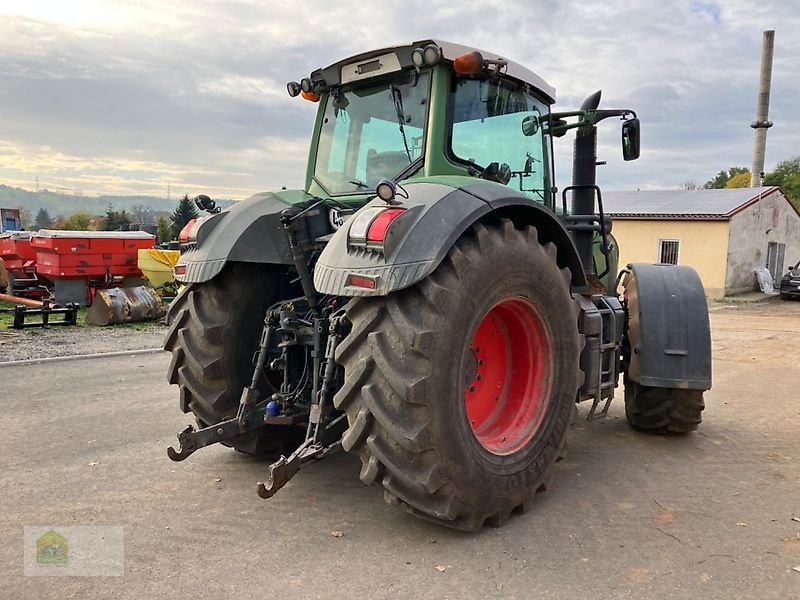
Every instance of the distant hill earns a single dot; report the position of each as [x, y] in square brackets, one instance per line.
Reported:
[67, 204]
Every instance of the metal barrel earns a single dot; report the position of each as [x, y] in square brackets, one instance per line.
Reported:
[123, 305]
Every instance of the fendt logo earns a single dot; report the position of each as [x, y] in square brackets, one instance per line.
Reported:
[339, 216]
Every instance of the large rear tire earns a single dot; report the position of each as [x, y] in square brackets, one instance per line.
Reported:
[459, 390]
[662, 410]
[213, 335]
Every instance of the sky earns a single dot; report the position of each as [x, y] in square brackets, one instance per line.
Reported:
[138, 96]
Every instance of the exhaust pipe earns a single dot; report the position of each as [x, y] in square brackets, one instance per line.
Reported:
[584, 173]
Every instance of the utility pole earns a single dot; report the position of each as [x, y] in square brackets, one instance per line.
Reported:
[762, 122]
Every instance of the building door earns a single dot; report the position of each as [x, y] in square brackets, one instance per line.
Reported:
[775, 256]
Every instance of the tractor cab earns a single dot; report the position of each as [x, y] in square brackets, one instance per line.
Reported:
[428, 109]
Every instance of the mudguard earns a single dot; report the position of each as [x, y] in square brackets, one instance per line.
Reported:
[668, 334]
[250, 231]
[436, 215]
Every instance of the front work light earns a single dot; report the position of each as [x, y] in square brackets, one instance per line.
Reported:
[306, 85]
[418, 57]
[432, 54]
[293, 88]
[386, 190]
[427, 56]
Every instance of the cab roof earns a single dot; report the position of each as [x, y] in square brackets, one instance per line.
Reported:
[332, 75]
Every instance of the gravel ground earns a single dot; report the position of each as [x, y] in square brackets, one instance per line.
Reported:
[70, 341]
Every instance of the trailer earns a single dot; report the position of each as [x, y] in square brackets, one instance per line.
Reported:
[20, 263]
[80, 262]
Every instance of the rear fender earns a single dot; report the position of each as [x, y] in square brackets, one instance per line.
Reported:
[436, 216]
[668, 338]
[250, 231]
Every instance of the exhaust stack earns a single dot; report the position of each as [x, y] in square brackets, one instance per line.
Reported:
[762, 123]
[584, 175]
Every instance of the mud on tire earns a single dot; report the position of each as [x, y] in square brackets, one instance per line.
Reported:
[408, 364]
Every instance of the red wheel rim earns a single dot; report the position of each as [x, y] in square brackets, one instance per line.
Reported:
[511, 376]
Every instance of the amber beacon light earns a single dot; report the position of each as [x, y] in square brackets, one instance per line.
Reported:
[469, 63]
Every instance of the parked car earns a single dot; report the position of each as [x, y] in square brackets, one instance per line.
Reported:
[790, 283]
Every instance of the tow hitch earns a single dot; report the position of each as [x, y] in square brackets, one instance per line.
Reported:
[283, 469]
[254, 414]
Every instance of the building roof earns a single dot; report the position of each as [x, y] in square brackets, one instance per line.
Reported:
[682, 204]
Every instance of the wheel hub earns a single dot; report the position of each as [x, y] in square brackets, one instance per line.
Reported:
[511, 369]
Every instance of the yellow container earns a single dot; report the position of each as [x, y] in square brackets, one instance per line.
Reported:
[157, 265]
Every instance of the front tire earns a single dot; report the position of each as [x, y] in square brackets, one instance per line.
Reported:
[662, 410]
[494, 323]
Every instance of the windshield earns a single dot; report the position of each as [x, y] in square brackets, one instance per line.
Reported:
[371, 133]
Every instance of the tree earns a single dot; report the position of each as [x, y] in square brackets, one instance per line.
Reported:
[25, 218]
[143, 215]
[184, 212]
[787, 176]
[742, 180]
[164, 231]
[78, 222]
[723, 177]
[114, 220]
[42, 220]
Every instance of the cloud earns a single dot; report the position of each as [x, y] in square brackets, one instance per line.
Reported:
[116, 96]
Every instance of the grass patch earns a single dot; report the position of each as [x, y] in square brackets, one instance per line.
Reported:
[6, 319]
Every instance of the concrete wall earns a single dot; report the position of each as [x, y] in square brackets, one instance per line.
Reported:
[772, 219]
[703, 245]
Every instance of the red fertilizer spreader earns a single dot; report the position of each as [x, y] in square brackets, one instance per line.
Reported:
[19, 259]
[80, 262]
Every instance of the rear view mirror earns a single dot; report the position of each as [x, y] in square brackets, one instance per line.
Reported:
[530, 125]
[630, 139]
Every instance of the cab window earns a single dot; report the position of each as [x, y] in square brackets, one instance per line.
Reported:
[496, 130]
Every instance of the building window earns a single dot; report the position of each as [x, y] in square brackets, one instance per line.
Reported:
[668, 251]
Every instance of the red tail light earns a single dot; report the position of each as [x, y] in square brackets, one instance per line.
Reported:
[362, 281]
[380, 225]
[370, 225]
[185, 233]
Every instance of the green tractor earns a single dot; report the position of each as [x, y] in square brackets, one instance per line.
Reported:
[429, 301]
